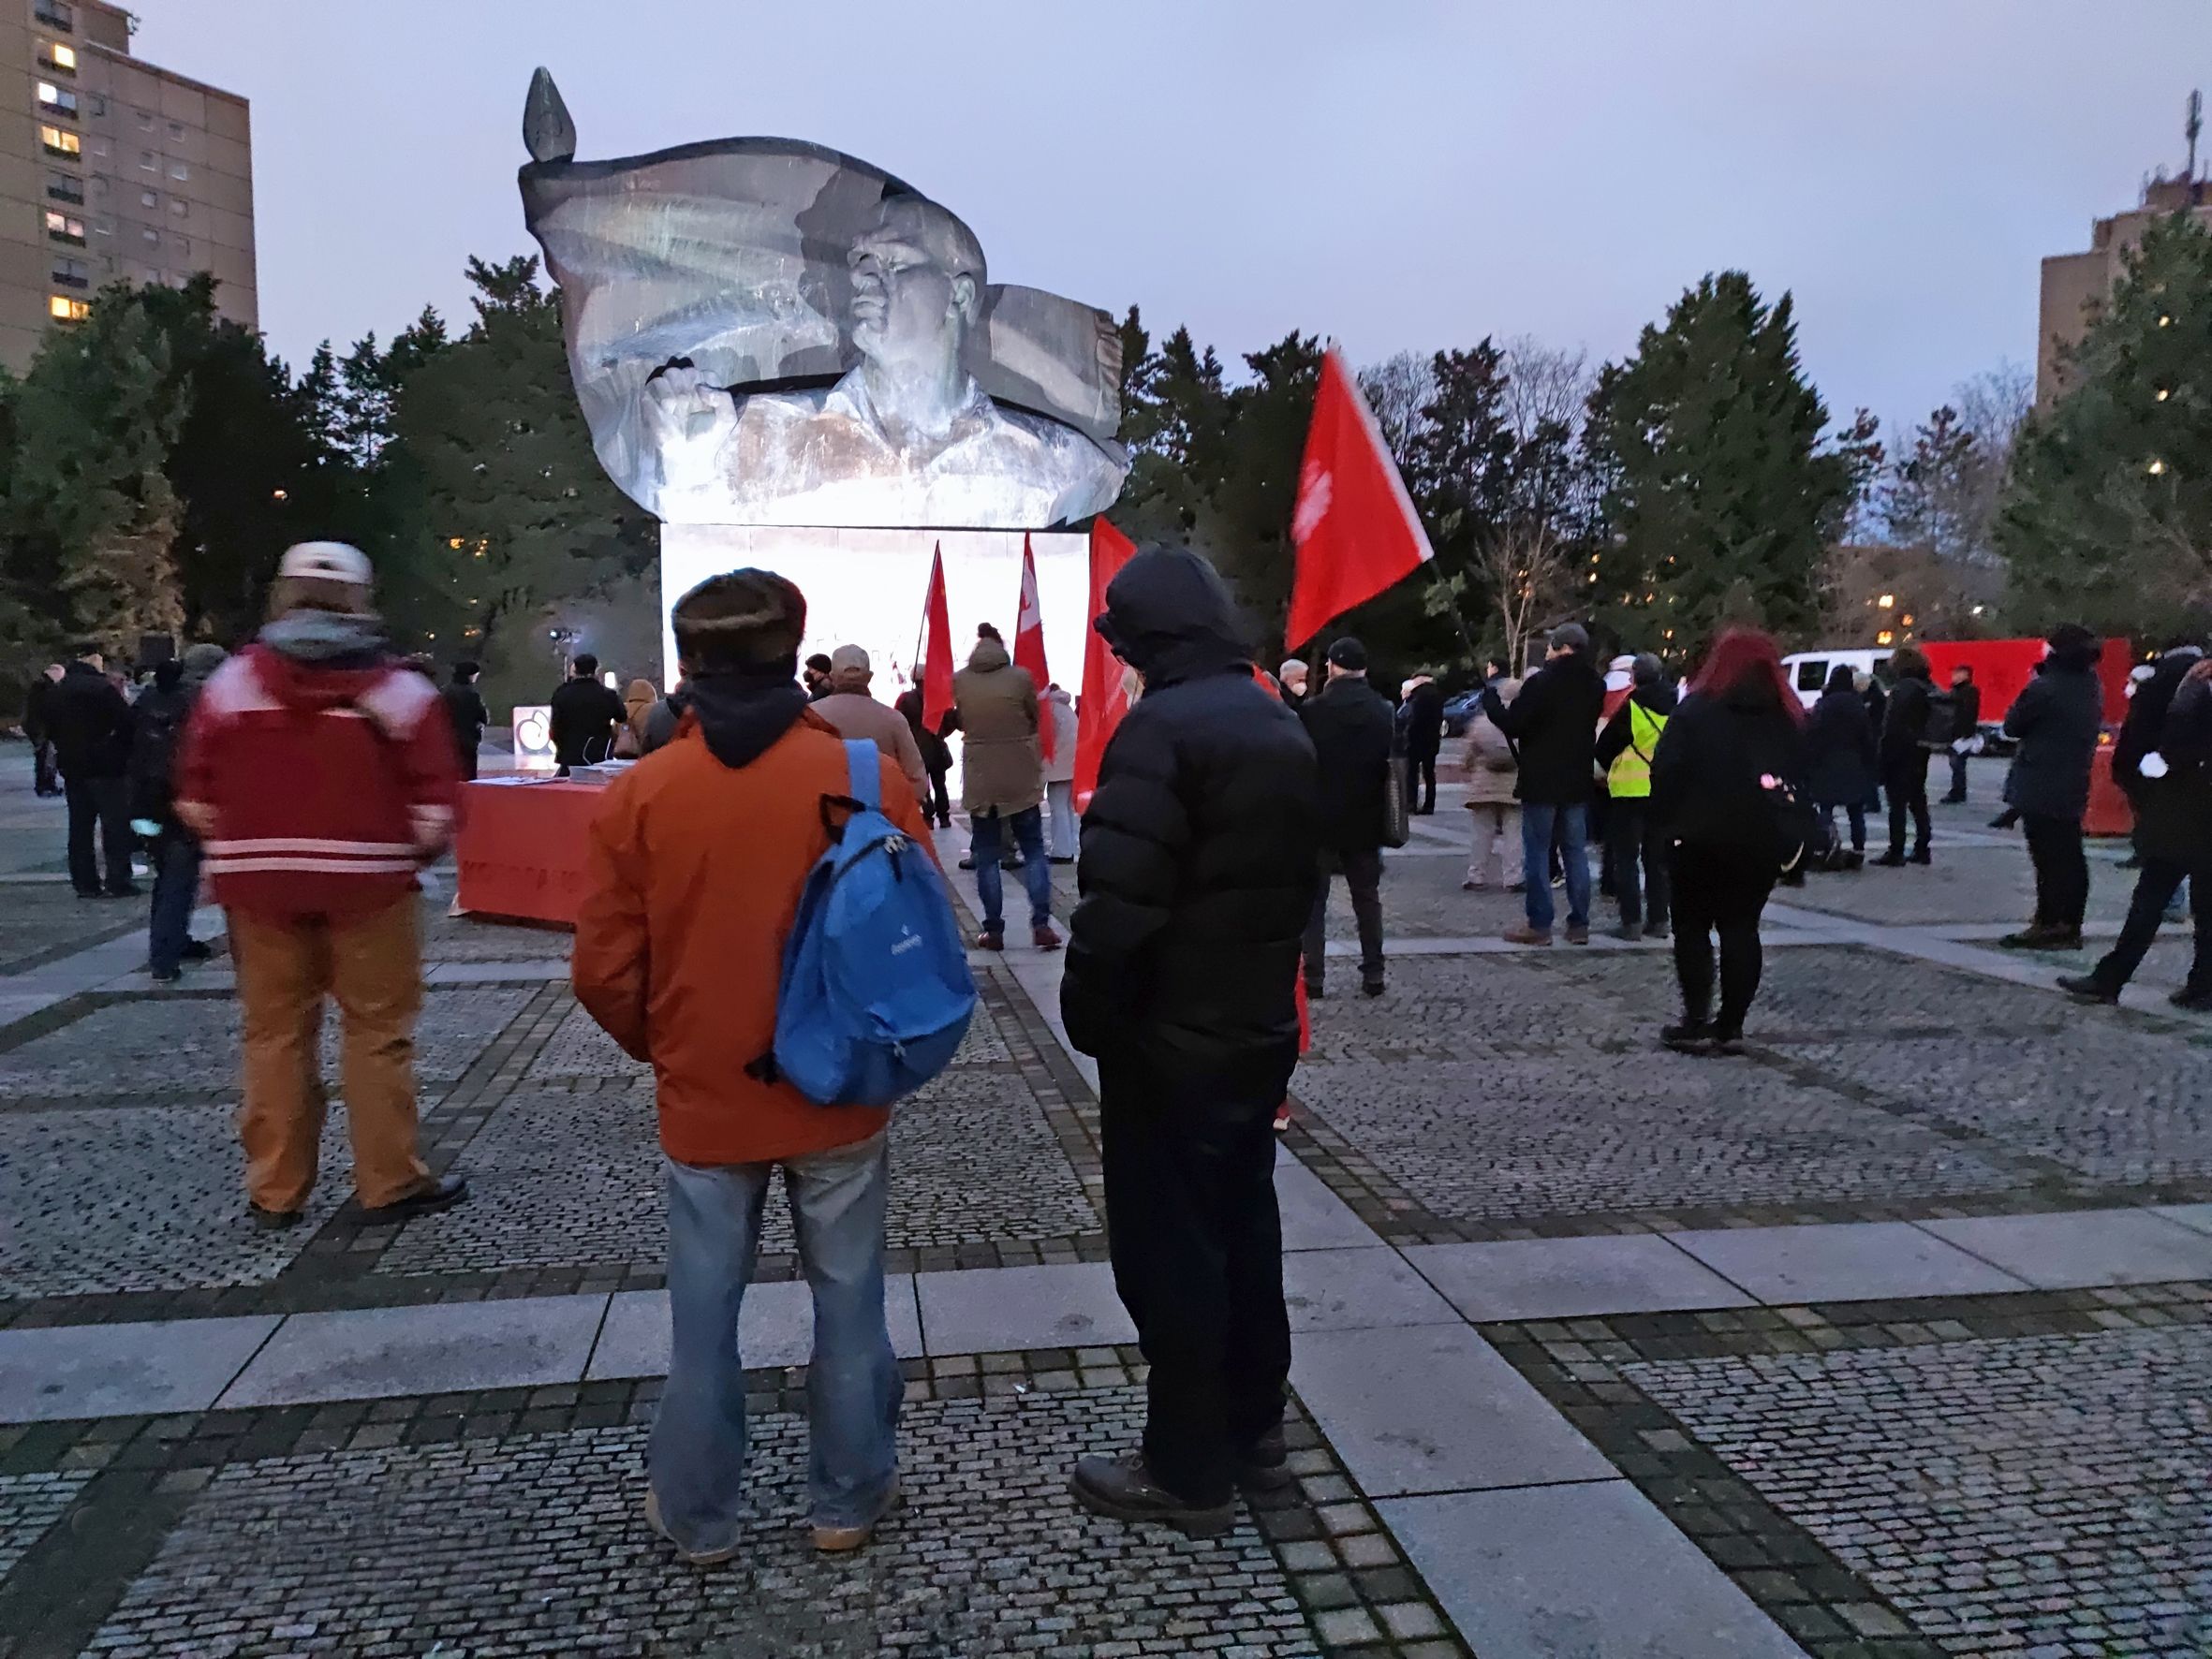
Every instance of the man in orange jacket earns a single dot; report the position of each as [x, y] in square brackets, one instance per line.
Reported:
[697, 859]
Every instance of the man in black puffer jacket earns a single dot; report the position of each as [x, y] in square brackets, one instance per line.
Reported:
[1196, 878]
[2057, 721]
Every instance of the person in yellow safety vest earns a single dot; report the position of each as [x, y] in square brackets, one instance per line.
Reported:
[1636, 847]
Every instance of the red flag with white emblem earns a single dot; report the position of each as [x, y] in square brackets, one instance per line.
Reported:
[1354, 525]
[937, 656]
[1104, 701]
[1029, 642]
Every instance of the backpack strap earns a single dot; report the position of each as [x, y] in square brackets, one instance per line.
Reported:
[864, 768]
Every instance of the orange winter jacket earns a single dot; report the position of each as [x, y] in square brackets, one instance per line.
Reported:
[694, 875]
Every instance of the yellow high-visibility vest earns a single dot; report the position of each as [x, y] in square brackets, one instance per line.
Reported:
[1629, 775]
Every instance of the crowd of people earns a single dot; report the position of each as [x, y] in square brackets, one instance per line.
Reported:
[1228, 805]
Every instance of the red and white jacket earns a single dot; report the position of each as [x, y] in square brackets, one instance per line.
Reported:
[317, 790]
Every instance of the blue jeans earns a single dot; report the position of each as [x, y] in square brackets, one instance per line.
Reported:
[1036, 873]
[696, 1460]
[1537, 819]
[176, 890]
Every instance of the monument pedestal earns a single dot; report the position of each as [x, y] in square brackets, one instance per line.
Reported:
[867, 587]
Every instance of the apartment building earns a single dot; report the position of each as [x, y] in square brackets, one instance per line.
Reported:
[2074, 284]
[112, 169]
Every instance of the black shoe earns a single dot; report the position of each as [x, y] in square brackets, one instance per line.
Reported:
[2130, 862]
[1123, 1488]
[1727, 1040]
[1656, 929]
[968, 864]
[2197, 1001]
[1314, 991]
[197, 950]
[273, 1221]
[1266, 1466]
[1692, 1036]
[1892, 859]
[1920, 855]
[2004, 820]
[1370, 988]
[2087, 988]
[133, 891]
[2037, 937]
[90, 893]
[440, 1192]
[1063, 857]
[1952, 800]
[164, 976]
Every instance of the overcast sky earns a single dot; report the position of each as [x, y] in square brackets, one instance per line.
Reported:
[1398, 173]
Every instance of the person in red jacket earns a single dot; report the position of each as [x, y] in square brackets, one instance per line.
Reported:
[319, 774]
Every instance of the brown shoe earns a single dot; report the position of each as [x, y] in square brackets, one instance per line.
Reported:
[1527, 935]
[1044, 939]
[844, 1541]
[696, 1558]
[1578, 934]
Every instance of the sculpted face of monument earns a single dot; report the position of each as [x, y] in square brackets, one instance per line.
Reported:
[765, 332]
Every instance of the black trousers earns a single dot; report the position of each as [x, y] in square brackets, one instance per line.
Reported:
[1362, 873]
[2154, 886]
[1421, 783]
[46, 778]
[1197, 1247]
[2062, 869]
[1719, 891]
[1908, 784]
[939, 811]
[103, 804]
[1633, 839]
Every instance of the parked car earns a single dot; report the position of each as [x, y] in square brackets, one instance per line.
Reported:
[1459, 711]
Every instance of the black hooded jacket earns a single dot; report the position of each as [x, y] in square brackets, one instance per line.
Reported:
[1198, 857]
[1706, 787]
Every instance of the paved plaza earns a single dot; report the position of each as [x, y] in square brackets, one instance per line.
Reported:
[1887, 1339]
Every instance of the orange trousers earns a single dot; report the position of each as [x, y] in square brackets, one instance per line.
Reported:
[371, 966]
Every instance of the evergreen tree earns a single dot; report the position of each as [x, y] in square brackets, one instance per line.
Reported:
[2107, 516]
[1718, 492]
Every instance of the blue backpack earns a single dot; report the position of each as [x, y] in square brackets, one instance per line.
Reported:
[876, 994]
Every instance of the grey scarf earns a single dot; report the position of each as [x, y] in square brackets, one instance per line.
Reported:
[324, 636]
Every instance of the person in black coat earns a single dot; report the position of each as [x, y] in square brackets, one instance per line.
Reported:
[38, 726]
[1423, 718]
[464, 708]
[585, 715]
[1966, 702]
[1351, 726]
[2057, 721]
[90, 724]
[1736, 731]
[2173, 801]
[1840, 755]
[1553, 725]
[937, 756]
[1196, 878]
[1904, 762]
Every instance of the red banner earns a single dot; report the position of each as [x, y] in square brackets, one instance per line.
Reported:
[937, 656]
[1029, 642]
[1103, 701]
[1354, 525]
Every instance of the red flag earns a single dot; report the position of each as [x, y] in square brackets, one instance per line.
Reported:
[1354, 525]
[937, 657]
[1103, 702]
[1029, 642]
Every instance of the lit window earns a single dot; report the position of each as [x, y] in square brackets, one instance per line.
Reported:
[58, 143]
[65, 310]
[2157, 469]
[54, 55]
[57, 97]
[2163, 395]
[1887, 601]
[62, 228]
[1885, 638]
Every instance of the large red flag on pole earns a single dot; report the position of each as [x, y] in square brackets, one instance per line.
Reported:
[1029, 641]
[937, 656]
[1103, 700]
[1354, 525]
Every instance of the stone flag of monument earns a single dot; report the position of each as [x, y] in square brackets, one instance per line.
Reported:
[765, 331]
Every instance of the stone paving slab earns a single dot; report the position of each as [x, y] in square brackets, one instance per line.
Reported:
[536, 1542]
[1571, 1278]
[1851, 1261]
[1432, 1408]
[1358, 1289]
[1590, 1570]
[775, 1328]
[2042, 1494]
[381, 1353]
[989, 1310]
[29, 1505]
[2075, 1248]
[2197, 1217]
[1314, 1218]
[103, 1370]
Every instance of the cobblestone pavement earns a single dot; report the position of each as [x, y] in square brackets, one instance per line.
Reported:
[1889, 1469]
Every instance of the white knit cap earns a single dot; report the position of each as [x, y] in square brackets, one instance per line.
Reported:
[327, 561]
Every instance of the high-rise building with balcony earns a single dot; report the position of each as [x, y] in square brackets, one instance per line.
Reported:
[111, 171]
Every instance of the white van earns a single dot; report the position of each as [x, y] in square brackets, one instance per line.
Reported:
[1809, 670]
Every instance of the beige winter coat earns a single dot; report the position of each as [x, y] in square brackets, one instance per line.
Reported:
[1001, 769]
[856, 714]
[1491, 768]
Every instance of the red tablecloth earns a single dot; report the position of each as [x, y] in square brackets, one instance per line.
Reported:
[520, 848]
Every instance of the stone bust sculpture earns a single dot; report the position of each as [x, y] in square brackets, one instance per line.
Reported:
[763, 331]
[907, 433]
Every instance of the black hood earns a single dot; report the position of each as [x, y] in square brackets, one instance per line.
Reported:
[1168, 617]
[741, 713]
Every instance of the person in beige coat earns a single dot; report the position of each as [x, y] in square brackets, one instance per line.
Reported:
[1492, 770]
[854, 712]
[1002, 785]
